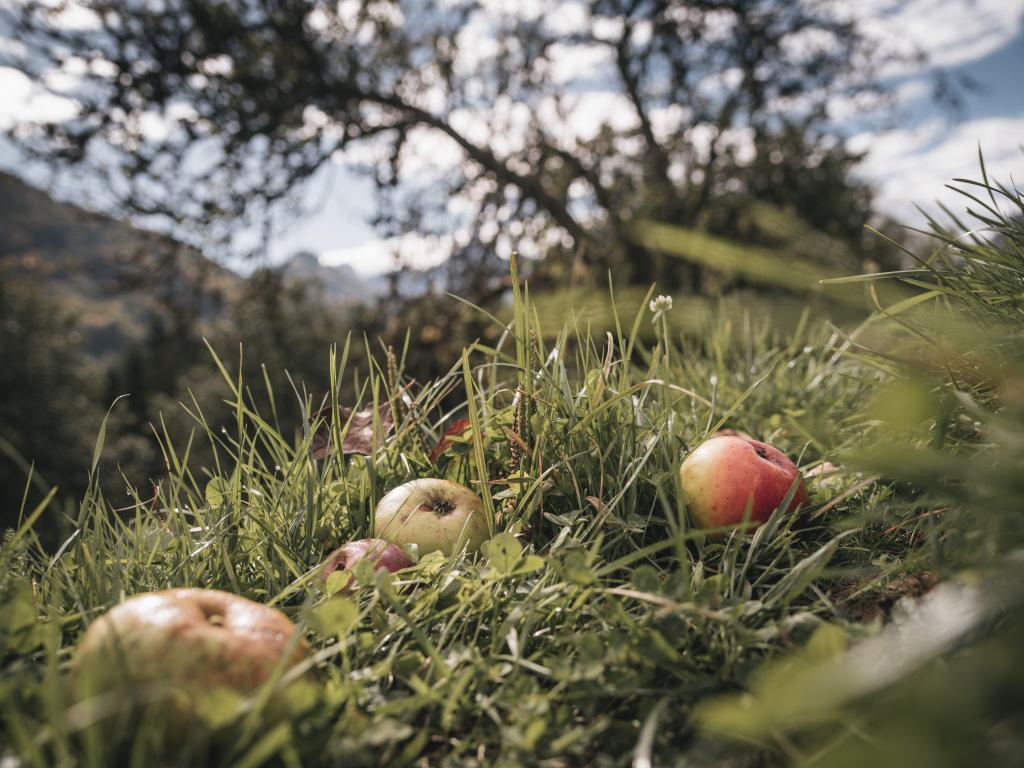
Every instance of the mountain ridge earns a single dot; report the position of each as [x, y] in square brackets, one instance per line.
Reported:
[115, 277]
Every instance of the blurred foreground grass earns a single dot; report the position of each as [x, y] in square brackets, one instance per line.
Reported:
[605, 630]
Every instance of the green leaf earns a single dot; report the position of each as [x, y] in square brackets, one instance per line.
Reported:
[533, 732]
[801, 575]
[301, 696]
[218, 706]
[20, 629]
[431, 564]
[575, 567]
[101, 438]
[334, 617]
[217, 492]
[646, 579]
[503, 553]
[268, 745]
[407, 664]
[590, 647]
[337, 582]
[19, 610]
[827, 642]
[530, 564]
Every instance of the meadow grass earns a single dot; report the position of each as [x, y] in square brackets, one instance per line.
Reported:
[599, 628]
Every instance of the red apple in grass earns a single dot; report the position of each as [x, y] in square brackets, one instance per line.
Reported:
[381, 554]
[171, 650]
[434, 514]
[728, 473]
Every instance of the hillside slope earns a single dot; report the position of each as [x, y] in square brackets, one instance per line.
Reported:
[109, 274]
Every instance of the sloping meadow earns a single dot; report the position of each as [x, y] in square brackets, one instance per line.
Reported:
[597, 626]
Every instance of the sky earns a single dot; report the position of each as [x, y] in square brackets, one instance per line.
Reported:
[909, 159]
[979, 39]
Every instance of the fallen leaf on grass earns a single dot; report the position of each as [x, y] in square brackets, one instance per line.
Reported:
[457, 428]
[358, 438]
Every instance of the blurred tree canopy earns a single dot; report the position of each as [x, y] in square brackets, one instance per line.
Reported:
[552, 130]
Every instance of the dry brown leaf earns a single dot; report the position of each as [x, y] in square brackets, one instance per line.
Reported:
[359, 437]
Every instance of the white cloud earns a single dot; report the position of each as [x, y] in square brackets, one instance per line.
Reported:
[566, 18]
[587, 112]
[949, 32]
[77, 16]
[572, 63]
[23, 100]
[913, 166]
[377, 256]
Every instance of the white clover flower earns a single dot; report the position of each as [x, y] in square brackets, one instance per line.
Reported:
[661, 304]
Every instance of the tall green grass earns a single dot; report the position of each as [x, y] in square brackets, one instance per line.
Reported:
[600, 628]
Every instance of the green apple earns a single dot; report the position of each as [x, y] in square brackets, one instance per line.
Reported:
[435, 515]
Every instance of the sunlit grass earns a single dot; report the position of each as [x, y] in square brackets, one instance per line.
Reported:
[605, 629]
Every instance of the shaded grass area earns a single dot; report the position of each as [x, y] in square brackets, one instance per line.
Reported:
[600, 628]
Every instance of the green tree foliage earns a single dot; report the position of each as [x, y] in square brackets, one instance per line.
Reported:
[165, 386]
[286, 329]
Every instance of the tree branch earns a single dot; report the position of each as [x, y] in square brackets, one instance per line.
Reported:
[530, 185]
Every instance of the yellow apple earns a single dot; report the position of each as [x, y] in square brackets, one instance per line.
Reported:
[434, 514]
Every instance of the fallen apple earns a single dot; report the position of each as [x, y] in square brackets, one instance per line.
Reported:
[381, 554]
[434, 514]
[174, 649]
[728, 432]
[729, 473]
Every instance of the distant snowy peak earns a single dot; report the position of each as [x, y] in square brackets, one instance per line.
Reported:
[343, 284]
[340, 283]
